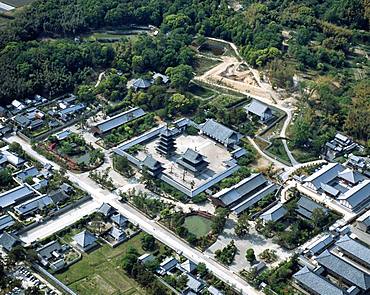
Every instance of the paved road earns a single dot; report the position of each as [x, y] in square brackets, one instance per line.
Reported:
[60, 222]
[159, 232]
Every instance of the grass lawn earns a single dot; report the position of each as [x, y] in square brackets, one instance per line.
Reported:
[203, 64]
[100, 271]
[198, 225]
[200, 91]
[225, 100]
[277, 149]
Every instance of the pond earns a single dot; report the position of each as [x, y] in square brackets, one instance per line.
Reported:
[198, 225]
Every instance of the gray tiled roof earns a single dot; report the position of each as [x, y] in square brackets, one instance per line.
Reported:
[151, 163]
[325, 174]
[329, 189]
[258, 108]
[316, 283]
[189, 265]
[321, 244]
[306, 206]
[85, 239]
[194, 284]
[345, 270]
[13, 196]
[141, 83]
[357, 195]
[8, 241]
[214, 291]
[46, 250]
[219, 132]
[120, 119]
[232, 194]
[192, 156]
[119, 219]
[5, 222]
[351, 176]
[29, 172]
[117, 233]
[72, 109]
[58, 196]
[354, 248]
[253, 199]
[274, 213]
[32, 205]
[106, 209]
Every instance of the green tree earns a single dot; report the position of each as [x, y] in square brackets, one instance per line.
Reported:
[242, 227]
[148, 242]
[251, 257]
[5, 177]
[180, 76]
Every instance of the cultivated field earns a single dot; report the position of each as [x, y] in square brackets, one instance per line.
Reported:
[100, 272]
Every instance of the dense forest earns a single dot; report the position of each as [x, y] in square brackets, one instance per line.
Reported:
[315, 37]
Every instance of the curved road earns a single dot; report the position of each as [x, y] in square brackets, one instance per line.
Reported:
[288, 111]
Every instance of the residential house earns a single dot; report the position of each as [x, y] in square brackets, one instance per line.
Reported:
[27, 173]
[194, 284]
[259, 109]
[214, 291]
[167, 265]
[145, 258]
[356, 162]
[68, 113]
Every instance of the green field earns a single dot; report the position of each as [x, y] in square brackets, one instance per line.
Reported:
[198, 225]
[200, 91]
[203, 64]
[278, 150]
[100, 272]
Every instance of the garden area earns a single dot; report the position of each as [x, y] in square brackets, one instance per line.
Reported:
[293, 230]
[277, 150]
[71, 153]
